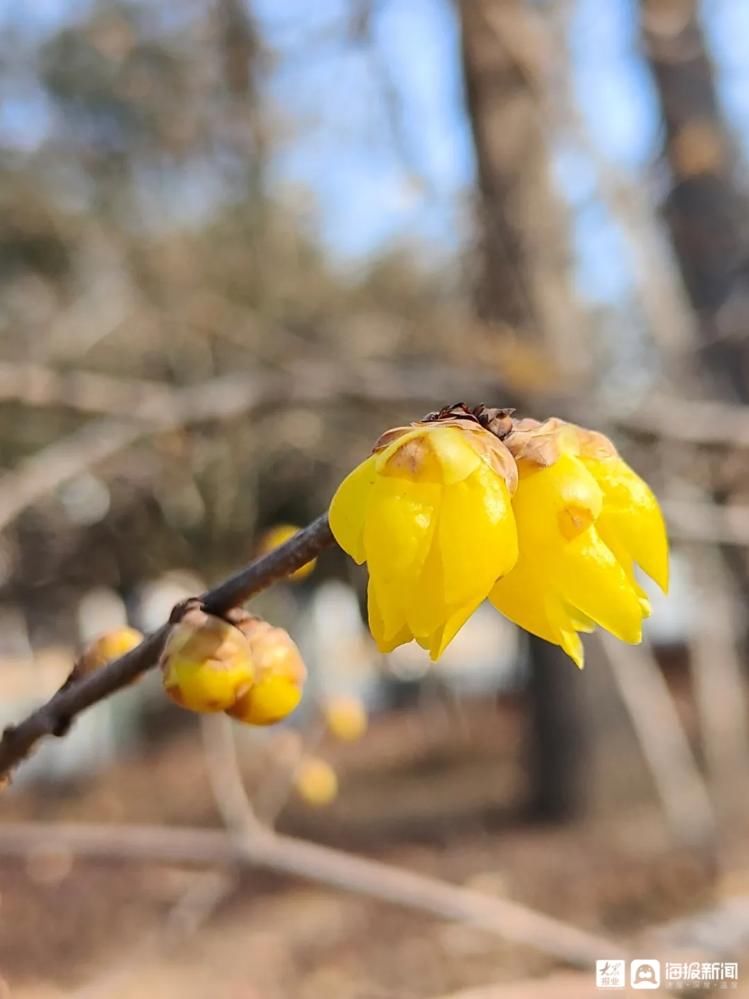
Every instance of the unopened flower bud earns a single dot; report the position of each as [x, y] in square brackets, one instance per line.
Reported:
[278, 535]
[279, 675]
[346, 717]
[316, 782]
[206, 663]
[102, 650]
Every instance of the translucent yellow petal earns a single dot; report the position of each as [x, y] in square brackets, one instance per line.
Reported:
[399, 527]
[573, 647]
[348, 509]
[442, 637]
[386, 623]
[555, 502]
[520, 596]
[457, 458]
[578, 620]
[427, 610]
[625, 561]
[588, 576]
[476, 535]
[631, 518]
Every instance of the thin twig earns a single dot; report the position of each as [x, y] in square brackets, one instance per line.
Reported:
[679, 783]
[225, 775]
[54, 716]
[718, 676]
[83, 391]
[335, 868]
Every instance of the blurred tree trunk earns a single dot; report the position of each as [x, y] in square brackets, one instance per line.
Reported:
[525, 281]
[242, 57]
[705, 210]
[525, 284]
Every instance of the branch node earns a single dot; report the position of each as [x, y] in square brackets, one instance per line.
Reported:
[184, 607]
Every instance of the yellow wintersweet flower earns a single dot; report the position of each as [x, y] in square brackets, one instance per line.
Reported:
[430, 512]
[584, 518]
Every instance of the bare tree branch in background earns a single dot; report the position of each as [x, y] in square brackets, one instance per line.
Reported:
[664, 744]
[718, 674]
[337, 869]
[661, 415]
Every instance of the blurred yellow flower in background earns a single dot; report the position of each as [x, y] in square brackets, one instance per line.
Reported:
[103, 650]
[315, 781]
[584, 518]
[278, 535]
[111, 645]
[345, 717]
[430, 512]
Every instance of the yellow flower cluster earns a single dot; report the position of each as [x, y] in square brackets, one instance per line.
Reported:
[544, 519]
[238, 664]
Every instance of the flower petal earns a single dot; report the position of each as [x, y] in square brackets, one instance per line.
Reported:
[476, 535]
[442, 637]
[555, 502]
[348, 509]
[388, 636]
[589, 577]
[454, 452]
[631, 519]
[521, 597]
[399, 527]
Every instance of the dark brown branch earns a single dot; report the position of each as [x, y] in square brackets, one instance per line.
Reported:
[53, 717]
